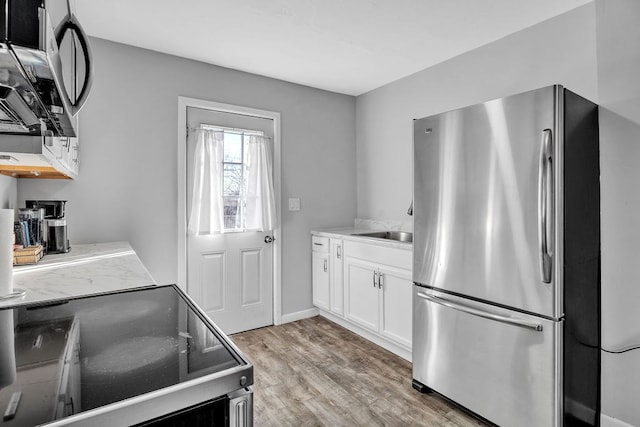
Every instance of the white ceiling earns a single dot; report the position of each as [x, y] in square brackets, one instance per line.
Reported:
[346, 46]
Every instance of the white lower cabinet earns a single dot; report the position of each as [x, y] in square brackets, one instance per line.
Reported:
[336, 273]
[362, 294]
[366, 288]
[320, 275]
[395, 321]
[379, 297]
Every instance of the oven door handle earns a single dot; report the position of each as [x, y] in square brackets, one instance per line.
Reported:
[480, 313]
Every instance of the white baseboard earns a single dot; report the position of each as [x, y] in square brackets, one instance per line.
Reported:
[298, 315]
[607, 421]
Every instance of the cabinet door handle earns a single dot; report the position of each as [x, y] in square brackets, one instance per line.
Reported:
[375, 279]
[380, 280]
[339, 252]
[325, 265]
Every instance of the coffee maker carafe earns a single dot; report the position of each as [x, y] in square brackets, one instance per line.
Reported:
[55, 224]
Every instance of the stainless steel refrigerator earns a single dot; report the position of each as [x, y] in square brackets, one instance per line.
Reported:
[506, 302]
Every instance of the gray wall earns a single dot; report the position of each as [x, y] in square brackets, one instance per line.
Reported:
[618, 47]
[127, 188]
[8, 192]
[561, 50]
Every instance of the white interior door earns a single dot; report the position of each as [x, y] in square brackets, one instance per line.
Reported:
[229, 275]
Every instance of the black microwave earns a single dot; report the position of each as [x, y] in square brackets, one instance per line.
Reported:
[45, 67]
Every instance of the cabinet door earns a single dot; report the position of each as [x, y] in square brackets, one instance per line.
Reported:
[361, 303]
[396, 289]
[320, 278]
[337, 287]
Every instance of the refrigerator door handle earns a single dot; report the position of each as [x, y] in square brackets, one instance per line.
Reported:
[545, 186]
[480, 313]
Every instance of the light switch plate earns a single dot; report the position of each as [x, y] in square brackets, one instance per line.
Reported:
[294, 204]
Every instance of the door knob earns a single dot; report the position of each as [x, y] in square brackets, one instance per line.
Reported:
[269, 239]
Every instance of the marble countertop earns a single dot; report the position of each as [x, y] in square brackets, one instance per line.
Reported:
[349, 233]
[86, 269]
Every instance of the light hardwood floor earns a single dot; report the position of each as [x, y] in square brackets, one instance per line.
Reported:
[315, 373]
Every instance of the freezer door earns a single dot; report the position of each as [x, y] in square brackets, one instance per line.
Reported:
[485, 200]
[500, 364]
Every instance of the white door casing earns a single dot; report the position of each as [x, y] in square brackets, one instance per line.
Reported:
[234, 277]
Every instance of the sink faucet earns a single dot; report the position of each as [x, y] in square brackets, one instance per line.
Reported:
[410, 211]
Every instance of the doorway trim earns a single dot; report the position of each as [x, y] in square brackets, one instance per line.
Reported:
[183, 104]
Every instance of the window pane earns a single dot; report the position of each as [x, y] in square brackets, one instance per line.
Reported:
[231, 213]
[232, 179]
[233, 148]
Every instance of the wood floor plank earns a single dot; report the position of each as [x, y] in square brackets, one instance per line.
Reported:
[313, 372]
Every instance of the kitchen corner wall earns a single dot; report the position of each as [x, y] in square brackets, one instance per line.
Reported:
[127, 187]
[560, 50]
[618, 47]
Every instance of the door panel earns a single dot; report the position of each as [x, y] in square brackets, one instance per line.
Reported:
[395, 319]
[512, 374]
[212, 266]
[362, 296]
[251, 272]
[476, 201]
[320, 272]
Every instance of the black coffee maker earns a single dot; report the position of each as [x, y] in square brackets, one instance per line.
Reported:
[55, 224]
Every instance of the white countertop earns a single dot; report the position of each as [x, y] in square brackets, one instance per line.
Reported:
[86, 269]
[349, 233]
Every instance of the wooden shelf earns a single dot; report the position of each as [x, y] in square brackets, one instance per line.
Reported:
[18, 171]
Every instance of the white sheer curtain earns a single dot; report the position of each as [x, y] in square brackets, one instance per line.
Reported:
[207, 203]
[258, 196]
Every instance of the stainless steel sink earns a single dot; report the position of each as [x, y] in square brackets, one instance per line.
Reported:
[400, 236]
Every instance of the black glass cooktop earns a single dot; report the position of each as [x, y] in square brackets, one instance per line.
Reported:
[66, 357]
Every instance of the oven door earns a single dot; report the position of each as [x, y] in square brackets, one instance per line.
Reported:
[502, 365]
[235, 410]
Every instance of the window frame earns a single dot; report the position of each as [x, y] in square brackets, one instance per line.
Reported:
[244, 133]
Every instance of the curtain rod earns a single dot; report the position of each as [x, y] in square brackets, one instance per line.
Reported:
[232, 130]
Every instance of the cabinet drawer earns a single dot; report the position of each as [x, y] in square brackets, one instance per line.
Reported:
[395, 257]
[320, 244]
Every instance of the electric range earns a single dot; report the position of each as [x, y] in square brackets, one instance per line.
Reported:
[143, 356]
